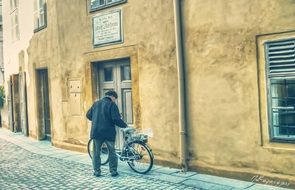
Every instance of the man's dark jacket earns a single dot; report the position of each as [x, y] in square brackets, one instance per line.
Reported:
[104, 115]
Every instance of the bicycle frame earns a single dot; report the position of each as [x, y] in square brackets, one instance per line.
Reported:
[134, 151]
[128, 138]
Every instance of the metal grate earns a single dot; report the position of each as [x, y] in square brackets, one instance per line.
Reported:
[281, 57]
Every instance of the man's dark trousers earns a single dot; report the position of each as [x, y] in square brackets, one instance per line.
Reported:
[113, 159]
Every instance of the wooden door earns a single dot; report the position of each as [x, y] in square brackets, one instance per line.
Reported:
[23, 104]
[15, 103]
[10, 104]
[43, 104]
[116, 75]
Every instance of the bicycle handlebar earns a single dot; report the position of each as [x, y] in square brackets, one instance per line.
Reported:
[128, 129]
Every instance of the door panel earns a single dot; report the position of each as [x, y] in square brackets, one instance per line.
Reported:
[23, 104]
[127, 106]
[10, 103]
[116, 75]
[46, 105]
[43, 105]
[16, 103]
[106, 79]
[125, 72]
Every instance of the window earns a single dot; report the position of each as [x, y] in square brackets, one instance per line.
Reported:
[14, 20]
[280, 57]
[1, 12]
[39, 15]
[125, 72]
[99, 4]
[108, 74]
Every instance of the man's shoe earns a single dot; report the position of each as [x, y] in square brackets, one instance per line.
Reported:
[96, 174]
[114, 174]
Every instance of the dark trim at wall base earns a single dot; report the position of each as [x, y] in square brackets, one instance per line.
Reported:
[68, 146]
[245, 176]
[5, 126]
[166, 163]
[33, 136]
[239, 175]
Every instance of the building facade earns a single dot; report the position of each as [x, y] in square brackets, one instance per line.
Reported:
[1, 47]
[17, 32]
[238, 65]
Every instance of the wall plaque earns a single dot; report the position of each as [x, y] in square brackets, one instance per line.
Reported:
[107, 28]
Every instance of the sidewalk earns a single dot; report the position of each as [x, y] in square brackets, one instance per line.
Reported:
[199, 181]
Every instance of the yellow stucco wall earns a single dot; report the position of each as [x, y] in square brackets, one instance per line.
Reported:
[225, 100]
[65, 48]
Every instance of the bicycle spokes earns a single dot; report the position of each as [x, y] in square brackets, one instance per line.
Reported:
[140, 157]
[135, 151]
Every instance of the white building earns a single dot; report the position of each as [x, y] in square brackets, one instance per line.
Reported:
[1, 47]
[18, 29]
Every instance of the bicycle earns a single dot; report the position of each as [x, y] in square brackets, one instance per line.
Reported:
[135, 151]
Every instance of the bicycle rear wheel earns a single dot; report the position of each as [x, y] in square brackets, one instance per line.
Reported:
[140, 156]
[104, 152]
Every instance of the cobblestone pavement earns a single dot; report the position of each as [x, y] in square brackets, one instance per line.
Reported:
[27, 163]
[21, 169]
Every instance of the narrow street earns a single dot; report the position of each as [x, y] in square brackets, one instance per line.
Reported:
[29, 164]
[21, 169]
[209, 85]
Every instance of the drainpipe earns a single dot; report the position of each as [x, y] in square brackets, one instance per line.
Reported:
[181, 84]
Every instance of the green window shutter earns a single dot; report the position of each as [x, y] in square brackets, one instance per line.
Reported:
[280, 57]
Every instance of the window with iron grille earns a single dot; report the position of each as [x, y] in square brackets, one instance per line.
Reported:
[100, 4]
[40, 19]
[280, 58]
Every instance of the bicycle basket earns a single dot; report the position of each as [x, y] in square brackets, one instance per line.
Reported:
[140, 137]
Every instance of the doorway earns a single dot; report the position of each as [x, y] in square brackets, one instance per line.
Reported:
[43, 105]
[23, 104]
[14, 103]
[116, 75]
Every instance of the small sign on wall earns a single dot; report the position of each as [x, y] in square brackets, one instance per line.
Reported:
[75, 86]
[75, 96]
[107, 28]
[75, 104]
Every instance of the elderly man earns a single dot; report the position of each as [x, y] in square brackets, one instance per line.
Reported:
[104, 115]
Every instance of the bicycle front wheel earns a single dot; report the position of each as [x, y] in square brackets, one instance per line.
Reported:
[104, 152]
[140, 157]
